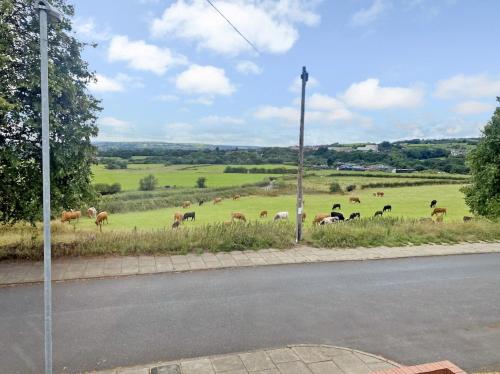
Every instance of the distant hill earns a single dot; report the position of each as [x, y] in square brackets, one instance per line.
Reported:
[160, 146]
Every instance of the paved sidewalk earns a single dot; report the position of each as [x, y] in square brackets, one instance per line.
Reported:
[294, 359]
[97, 267]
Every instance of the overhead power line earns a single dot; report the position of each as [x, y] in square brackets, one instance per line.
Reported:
[233, 26]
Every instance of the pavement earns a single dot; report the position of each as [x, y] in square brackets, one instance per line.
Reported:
[293, 359]
[18, 272]
[409, 310]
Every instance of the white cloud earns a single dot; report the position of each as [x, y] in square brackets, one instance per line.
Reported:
[214, 120]
[204, 80]
[468, 86]
[336, 110]
[370, 14]
[287, 114]
[143, 56]
[248, 67]
[269, 24]
[473, 107]
[88, 29]
[369, 94]
[106, 84]
[296, 85]
[115, 124]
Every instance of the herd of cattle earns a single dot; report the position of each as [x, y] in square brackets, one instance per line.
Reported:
[319, 219]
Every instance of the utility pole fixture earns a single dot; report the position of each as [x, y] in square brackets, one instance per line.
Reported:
[300, 172]
[46, 12]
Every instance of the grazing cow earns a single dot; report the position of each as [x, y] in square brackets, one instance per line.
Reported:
[236, 197]
[201, 203]
[178, 216]
[335, 206]
[101, 217]
[355, 215]
[304, 216]
[91, 212]
[186, 204]
[238, 216]
[263, 214]
[217, 200]
[68, 216]
[328, 220]
[387, 208]
[188, 215]
[438, 211]
[380, 194]
[280, 215]
[433, 203]
[354, 199]
[319, 217]
[339, 215]
[439, 219]
[467, 218]
[378, 213]
[176, 224]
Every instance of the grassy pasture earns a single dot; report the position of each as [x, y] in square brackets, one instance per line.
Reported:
[407, 202]
[176, 175]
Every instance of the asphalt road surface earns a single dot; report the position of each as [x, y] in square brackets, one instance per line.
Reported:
[408, 310]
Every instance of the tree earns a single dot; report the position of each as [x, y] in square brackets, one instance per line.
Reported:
[148, 183]
[335, 187]
[201, 182]
[483, 194]
[73, 113]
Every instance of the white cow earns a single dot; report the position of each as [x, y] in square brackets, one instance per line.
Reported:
[329, 220]
[92, 212]
[281, 215]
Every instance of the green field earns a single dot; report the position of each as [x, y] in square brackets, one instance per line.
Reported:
[177, 175]
[408, 202]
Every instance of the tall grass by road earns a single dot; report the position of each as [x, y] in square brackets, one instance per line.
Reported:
[26, 242]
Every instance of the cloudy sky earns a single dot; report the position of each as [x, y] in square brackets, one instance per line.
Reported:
[175, 71]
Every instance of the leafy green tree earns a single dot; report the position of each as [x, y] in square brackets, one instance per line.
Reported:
[335, 187]
[483, 194]
[201, 182]
[148, 183]
[73, 113]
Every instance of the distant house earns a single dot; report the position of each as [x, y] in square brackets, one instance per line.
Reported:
[351, 167]
[398, 171]
[380, 167]
[368, 148]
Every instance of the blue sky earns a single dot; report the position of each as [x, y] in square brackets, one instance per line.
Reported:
[175, 71]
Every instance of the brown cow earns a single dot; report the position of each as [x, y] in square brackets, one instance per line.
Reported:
[304, 216]
[101, 217]
[238, 216]
[380, 194]
[217, 200]
[236, 197]
[186, 204]
[178, 216]
[468, 218]
[68, 216]
[438, 211]
[319, 217]
[176, 224]
[263, 214]
[354, 199]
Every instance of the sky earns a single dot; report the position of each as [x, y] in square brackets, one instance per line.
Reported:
[176, 71]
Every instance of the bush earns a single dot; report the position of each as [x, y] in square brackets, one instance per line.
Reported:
[201, 182]
[148, 183]
[350, 188]
[107, 189]
[116, 164]
[335, 187]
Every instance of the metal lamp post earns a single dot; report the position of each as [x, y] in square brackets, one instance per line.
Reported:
[46, 12]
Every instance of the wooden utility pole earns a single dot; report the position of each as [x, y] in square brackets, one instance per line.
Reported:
[300, 172]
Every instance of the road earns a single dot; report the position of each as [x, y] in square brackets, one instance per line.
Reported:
[409, 310]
